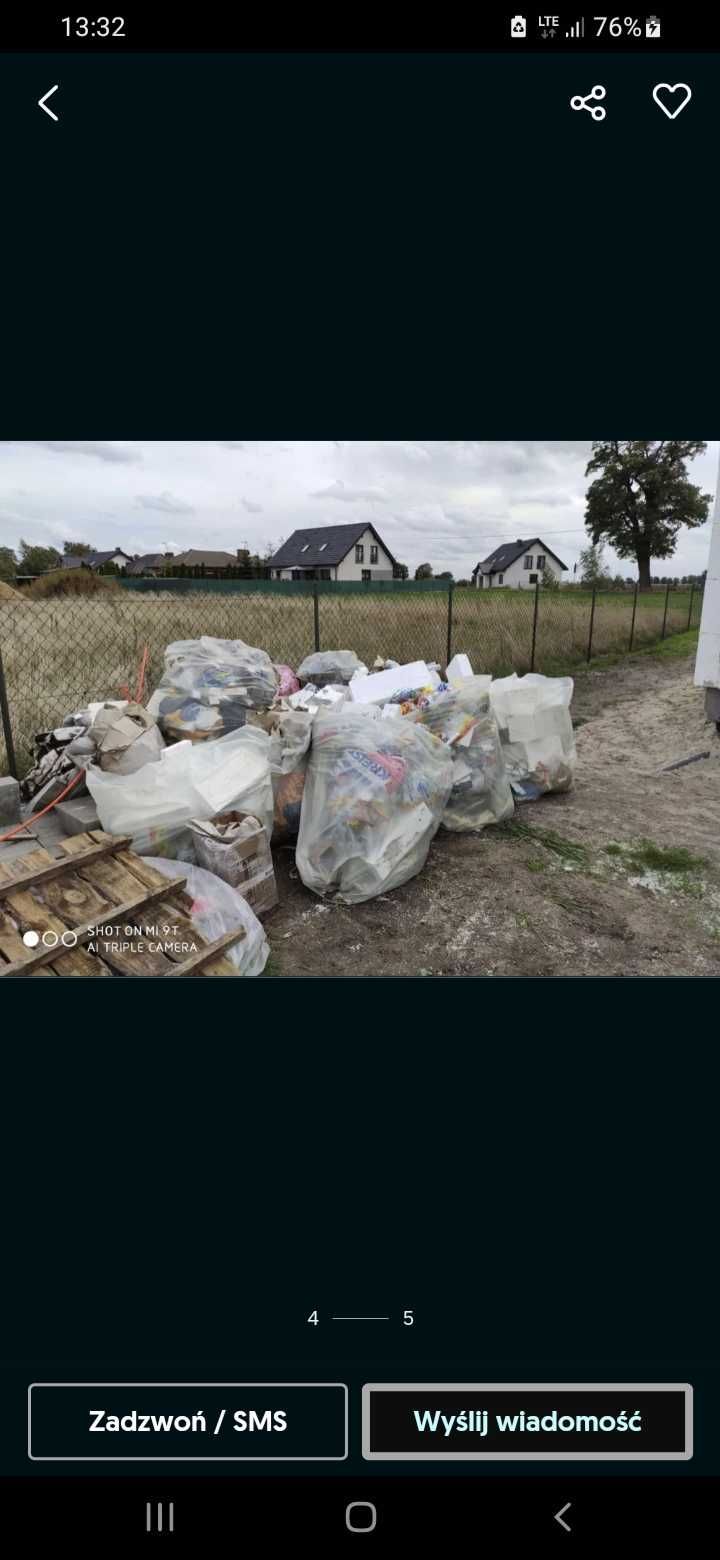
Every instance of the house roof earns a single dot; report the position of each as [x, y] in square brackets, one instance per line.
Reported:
[503, 556]
[196, 557]
[323, 544]
[97, 559]
[148, 561]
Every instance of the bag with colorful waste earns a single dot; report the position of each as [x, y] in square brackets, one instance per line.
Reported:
[289, 747]
[536, 733]
[463, 718]
[374, 797]
[208, 685]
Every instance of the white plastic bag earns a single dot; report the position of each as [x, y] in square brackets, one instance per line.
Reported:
[462, 717]
[536, 733]
[218, 908]
[374, 796]
[154, 805]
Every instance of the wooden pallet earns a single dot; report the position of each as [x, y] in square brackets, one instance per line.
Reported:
[98, 881]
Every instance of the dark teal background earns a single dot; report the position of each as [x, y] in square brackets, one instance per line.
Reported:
[359, 246]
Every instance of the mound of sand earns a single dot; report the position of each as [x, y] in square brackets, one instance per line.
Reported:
[7, 593]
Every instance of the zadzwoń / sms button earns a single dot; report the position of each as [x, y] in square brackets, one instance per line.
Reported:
[187, 1422]
[511, 1422]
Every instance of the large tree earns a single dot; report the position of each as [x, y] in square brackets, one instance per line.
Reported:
[424, 571]
[642, 496]
[77, 549]
[8, 564]
[37, 560]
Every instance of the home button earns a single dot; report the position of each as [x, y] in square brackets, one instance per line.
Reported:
[360, 1516]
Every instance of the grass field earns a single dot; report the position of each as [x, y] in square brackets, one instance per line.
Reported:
[58, 654]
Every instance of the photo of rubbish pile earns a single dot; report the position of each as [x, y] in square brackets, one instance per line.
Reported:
[232, 755]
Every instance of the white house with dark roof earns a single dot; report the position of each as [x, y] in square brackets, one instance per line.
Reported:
[334, 552]
[520, 564]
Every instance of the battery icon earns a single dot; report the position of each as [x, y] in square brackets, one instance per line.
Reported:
[652, 27]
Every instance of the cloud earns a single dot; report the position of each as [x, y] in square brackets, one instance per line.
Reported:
[350, 495]
[165, 502]
[112, 453]
[252, 509]
[231, 444]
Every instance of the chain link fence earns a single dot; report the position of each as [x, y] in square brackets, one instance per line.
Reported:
[57, 654]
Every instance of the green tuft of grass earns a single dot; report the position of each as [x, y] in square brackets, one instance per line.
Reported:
[534, 864]
[568, 850]
[645, 855]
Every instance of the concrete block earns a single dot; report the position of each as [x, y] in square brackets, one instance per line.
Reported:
[9, 802]
[77, 817]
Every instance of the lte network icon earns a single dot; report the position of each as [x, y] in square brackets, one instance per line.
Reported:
[518, 27]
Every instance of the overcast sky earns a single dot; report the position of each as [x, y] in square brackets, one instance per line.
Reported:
[446, 503]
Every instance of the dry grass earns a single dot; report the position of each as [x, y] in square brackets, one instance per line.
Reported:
[58, 653]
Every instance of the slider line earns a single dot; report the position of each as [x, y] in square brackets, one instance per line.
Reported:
[360, 1318]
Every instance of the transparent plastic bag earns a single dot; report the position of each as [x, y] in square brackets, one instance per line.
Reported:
[218, 908]
[289, 748]
[463, 718]
[155, 805]
[208, 684]
[329, 666]
[374, 797]
[536, 732]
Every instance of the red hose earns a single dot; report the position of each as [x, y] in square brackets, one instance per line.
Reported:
[28, 823]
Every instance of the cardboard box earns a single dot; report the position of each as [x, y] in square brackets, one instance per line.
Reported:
[235, 847]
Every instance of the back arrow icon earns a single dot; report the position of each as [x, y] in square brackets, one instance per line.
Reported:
[561, 1513]
[42, 103]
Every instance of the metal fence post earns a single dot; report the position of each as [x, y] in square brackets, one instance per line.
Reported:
[667, 598]
[451, 587]
[535, 619]
[7, 728]
[692, 593]
[592, 620]
[316, 615]
[632, 621]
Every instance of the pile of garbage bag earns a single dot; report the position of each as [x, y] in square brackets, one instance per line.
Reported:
[463, 718]
[536, 732]
[218, 908]
[374, 797]
[154, 806]
[208, 685]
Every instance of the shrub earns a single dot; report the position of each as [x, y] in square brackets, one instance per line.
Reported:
[71, 582]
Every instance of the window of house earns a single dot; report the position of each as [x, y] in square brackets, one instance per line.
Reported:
[322, 546]
[373, 555]
[323, 574]
[528, 561]
[366, 574]
[297, 574]
[500, 578]
[359, 553]
[305, 548]
[540, 561]
[533, 579]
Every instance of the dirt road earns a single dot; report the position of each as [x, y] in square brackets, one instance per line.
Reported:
[544, 895]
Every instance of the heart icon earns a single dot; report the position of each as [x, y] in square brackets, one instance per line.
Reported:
[663, 90]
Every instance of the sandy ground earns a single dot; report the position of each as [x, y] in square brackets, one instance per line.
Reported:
[503, 903]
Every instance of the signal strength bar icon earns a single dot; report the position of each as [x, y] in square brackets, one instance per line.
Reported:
[577, 30]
